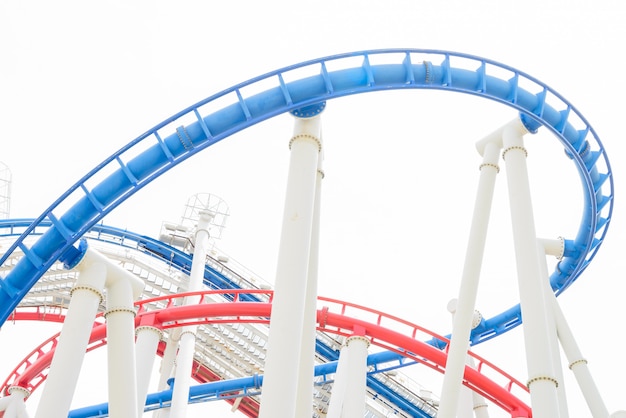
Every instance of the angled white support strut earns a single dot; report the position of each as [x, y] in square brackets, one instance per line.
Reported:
[464, 312]
[471, 404]
[539, 330]
[577, 363]
[86, 296]
[96, 272]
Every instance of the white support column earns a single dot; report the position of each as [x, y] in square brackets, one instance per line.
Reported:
[304, 396]
[478, 401]
[187, 345]
[542, 382]
[338, 393]
[70, 351]
[146, 345]
[167, 368]
[168, 360]
[348, 394]
[462, 324]
[578, 364]
[354, 402]
[470, 402]
[282, 363]
[123, 288]
[13, 405]
[545, 247]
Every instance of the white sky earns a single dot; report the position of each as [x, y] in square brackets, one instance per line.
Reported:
[78, 80]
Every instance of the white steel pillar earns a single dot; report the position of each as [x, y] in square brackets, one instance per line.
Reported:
[470, 403]
[462, 323]
[168, 360]
[146, 345]
[348, 394]
[478, 401]
[544, 247]
[304, 396]
[282, 364]
[578, 365]
[70, 351]
[123, 288]
[187, 345]
[13, 405]
[338, 392]
[167, 368]
[354, 402]
[542, 382]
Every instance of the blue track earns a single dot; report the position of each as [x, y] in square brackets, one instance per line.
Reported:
[250, 386]
[170, 143]
[216, 280]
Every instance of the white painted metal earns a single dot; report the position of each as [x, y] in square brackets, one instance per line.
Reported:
[578, 365]
[184, 359]
[304, 396]
[464, 313]
[4, 403]
[122, 288]
[480, 407]
[554, 247]
[338, 392]
[548, 297]
[231, 350]
[167, 367]
[464, 405]
[471, 403]
[538, 341]
[285, 335]
[65, 368]
[13, 405]
[146, 345]
[354, 402]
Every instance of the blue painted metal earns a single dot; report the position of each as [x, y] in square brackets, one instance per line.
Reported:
[309, 111]
[169, 255]
[213, 279]
[250, 386]
[414, 70]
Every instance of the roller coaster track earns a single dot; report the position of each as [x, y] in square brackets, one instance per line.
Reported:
[124, 246]
[336, 317]
[171, 142]
[82, 206]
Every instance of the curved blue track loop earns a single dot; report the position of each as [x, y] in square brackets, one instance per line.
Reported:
[153, 153]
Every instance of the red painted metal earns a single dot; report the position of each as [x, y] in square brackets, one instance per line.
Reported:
[335, 316]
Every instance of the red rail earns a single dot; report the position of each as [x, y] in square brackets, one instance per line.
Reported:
[338, 317]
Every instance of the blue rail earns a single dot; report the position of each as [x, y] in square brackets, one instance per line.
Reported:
[216, 280]
[169, 255]
[171, 142]
[250, 386]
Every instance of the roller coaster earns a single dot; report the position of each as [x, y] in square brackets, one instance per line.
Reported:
[285, 351]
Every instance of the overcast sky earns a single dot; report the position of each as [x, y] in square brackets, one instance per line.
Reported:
[78, 80]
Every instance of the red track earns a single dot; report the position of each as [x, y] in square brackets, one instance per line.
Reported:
[335, 316]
